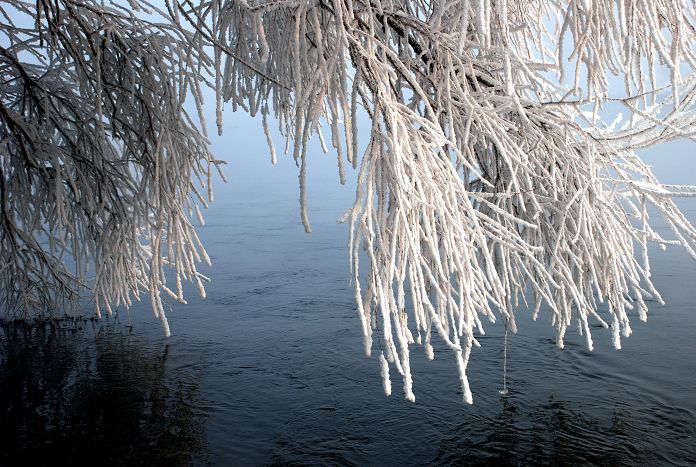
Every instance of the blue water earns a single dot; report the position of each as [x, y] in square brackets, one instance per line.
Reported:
[269, 369]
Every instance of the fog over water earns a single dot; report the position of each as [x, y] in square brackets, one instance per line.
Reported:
[269, 369]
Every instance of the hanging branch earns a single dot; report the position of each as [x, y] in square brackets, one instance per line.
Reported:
[485, 182]
[497, 170]
[99, 161]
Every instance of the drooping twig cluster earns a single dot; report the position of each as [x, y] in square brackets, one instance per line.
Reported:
[491, 175]
[100, 164]
[487, 180]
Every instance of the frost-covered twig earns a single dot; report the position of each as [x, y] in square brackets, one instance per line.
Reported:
[100, 165]
[497, 170]
[480, 187]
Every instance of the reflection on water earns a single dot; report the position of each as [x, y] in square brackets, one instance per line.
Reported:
[551, 434]
[77, 393]
[86, 393]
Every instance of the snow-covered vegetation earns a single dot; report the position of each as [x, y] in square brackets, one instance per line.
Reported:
[499, 168]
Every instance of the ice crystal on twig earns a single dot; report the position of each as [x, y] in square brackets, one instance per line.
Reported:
[489, 179]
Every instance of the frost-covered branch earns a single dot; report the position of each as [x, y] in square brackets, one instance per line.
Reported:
[101, 166]
[498, 169]
[488, 179]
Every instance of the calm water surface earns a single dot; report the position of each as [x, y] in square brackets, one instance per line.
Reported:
[269, 369]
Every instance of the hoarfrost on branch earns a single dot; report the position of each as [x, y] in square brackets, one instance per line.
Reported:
[491, 176]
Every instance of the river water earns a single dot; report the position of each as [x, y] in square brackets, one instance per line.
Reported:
[269, 369]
